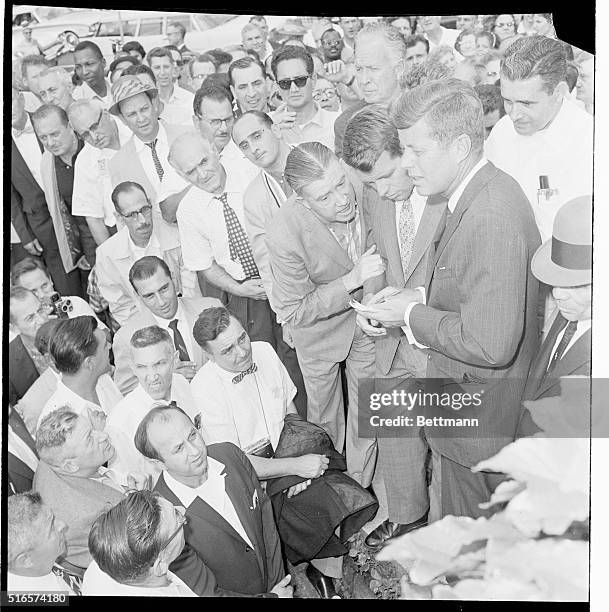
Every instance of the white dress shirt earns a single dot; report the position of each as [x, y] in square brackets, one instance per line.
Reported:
[178, 109]
[27, 144]
[96, 582]
[320, 128]
[107, 392]
[249, 411]
[212, 492]
[29, 584]
[84, 92]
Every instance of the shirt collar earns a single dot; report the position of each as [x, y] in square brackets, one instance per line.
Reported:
[454, 198]
[132, 247]
[317, 118]
[161, 137]
[179, 315]
[212, 489]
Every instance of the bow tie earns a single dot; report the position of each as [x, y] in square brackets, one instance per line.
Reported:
[237, 379]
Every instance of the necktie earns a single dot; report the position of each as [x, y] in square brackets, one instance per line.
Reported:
[237, 379]
[238, 242]
[155, 158]
[407, 233]
[562, 345]
[178, 341]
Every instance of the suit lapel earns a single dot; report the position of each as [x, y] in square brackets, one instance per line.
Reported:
[191, 317]
[390, 240]
[16, 466]
[18, 426]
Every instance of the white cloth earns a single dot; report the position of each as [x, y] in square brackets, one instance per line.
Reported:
[183, 328]
[249, 411]
[96, 582]
[14, 237]
[107, 392]
[29, 584]
[212, 492]
[125, 419]
[202, 227]
[178, 109]
[447, 38]
[32, 101]
[30, 151]
[562, 151]
[320, 128]
[582, 328]
[84, 92]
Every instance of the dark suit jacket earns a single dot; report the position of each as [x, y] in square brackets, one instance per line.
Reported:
[20, 475]
[341, 123]
[575, 362]
[217, 546]
[22, 372]
[480, 319]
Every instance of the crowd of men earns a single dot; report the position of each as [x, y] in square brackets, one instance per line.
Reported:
[211, 252]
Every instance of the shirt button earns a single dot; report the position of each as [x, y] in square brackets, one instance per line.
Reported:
[247, 549]
[428, 356]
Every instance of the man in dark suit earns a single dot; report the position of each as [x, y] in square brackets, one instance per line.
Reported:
[477, 310]
[25, 363]
[565, 263]
[230, 526]
[22, 455]
[29, 210]
[403, 225]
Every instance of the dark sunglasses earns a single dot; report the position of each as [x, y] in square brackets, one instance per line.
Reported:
[300, 81]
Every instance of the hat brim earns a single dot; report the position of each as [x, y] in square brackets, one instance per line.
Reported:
[545, 270]
[114, 110]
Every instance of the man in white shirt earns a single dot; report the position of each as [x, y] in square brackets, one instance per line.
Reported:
[477, 308]
[231, 526]
[153, 358]
[253, 38]
[139, 238]
[36, 539]
[294, 74]
[249, 84]
[54, 86]
[214, 242]
[436, 34]
[31, 67]
[90, 67]
[135, 542]
[177, 102]
[80, 350]
[403, 225]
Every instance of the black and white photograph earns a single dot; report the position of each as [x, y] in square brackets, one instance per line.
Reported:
[301, 306]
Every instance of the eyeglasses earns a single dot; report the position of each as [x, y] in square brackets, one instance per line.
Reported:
[182, 521]
[216, 123]
[300, 81]
[144, 210]
[93, 128]
[324, 94]
[507, 24]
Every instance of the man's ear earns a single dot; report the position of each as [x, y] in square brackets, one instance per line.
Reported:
[561, 90]
[24, 560]
[68, 466]
[462, 146]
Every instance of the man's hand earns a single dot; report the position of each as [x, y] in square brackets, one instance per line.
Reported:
[370, 327]
[187, 369]
[283, 118]
[33, 248]
[138, 481]
[83, 264]
[338, 72]
[282, 588]
[287, 336]
[369, 265]
[310, 466]
[97, 418]
[298, 488]
[252, 288]
[389, 305]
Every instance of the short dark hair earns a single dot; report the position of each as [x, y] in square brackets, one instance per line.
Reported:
[180, 26]
[88, 44]
[210, 324]
[46, 110]
[243, 63]
[263, 118]
[126, 540]
[146, 267]
[23, 511]
[490, 96]
[124, 187]
[291, 52]
[201, 59]
[536, 56]
[73, 341]
[18, 294]
[124, 58]
[572, 75]
[211, 91]
[27, 264]
[159, 52]
[368, 134]
[44, 335]
[134, 45]
[139, 69]
[32, 60]
[330, 29]
[429, 70]
[222, 57]
[150, 336]
[140, 439]
[415, 39]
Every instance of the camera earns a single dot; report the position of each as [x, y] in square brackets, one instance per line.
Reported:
[61, 306]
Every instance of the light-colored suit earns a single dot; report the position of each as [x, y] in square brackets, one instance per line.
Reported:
[401, 459]
[307, 266]
[124, 377]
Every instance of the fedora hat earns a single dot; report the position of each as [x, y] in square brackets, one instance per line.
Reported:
[566, 259]
[126, 87]
[292, 27]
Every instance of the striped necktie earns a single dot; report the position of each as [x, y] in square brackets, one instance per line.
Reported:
[155, 158]
[407, 233]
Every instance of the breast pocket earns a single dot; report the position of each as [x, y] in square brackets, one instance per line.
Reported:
[443, 272]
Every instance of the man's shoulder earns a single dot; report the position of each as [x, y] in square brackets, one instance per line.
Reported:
[16, 347]
[108, 247]
[344, 117]
[287, 219]
[197, 304]
[138, 320]
[228, 453]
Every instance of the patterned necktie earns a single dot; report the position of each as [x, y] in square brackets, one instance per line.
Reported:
[407, 233]
[238, 242]
[155, 158]
[562, 345]
[178, 341]
[237, 379]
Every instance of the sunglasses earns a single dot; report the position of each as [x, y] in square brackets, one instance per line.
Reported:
[300, 81]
